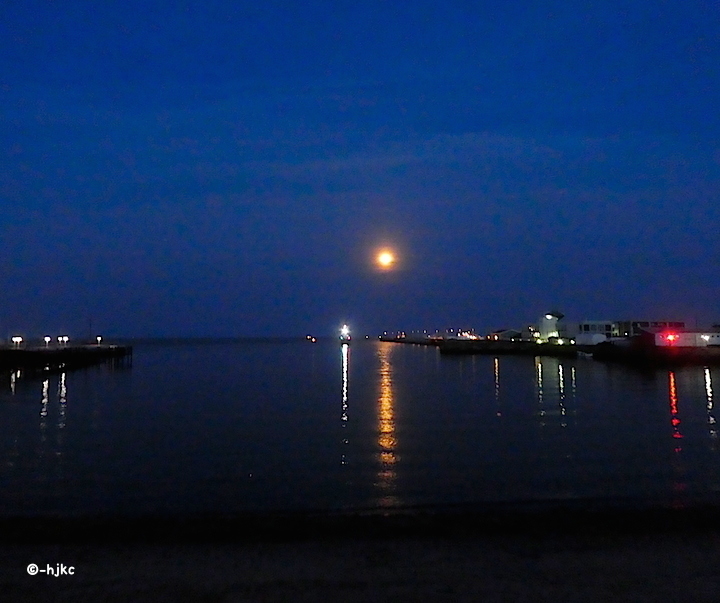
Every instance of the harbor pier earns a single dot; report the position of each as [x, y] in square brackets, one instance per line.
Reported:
[63, 356]
[459, 346]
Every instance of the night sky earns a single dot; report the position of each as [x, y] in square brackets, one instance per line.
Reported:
[230, 168]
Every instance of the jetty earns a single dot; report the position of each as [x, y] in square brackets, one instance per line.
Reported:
[462, 346]
[62, 356]
[499, 347]
[411, 339]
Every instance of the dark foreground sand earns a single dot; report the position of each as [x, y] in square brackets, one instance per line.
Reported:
[562, 555]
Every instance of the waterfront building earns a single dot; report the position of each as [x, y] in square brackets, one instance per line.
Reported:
[592, 332]
[506, 335]
[630, 328]
[548, 327]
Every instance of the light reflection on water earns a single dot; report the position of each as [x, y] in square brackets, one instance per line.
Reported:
[411, 428]
[552, 392]
[496, 383]
[345, 357]
[712, 424]
[386, 429]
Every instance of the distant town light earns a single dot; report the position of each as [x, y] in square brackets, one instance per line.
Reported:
[17, 340]
[99, 339]
[65, 339]
[60, 339]
[47, 340]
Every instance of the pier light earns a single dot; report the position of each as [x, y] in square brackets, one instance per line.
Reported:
[46, 339]
[60, 339]
[98, 339]
[65, 339]
[17, 340]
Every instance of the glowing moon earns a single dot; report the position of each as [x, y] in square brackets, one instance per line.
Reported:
[385, 259]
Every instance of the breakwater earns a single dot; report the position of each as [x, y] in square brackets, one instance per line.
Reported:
[416, 340]
[522, 348]
[490, 346]
[631, 352]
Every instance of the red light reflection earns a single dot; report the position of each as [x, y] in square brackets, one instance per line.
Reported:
[675, 419]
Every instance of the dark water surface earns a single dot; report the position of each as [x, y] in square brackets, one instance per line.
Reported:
[289, 425]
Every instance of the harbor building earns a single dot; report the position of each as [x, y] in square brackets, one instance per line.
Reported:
[630, 328]
[506, 335]
[548, 328]
[592, 332]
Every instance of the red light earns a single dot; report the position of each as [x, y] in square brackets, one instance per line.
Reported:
[671, 337]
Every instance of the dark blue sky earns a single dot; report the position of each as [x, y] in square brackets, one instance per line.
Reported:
[228, 168]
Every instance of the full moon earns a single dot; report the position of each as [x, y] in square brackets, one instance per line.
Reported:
[385, 259]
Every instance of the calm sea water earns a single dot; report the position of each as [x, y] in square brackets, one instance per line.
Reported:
[272, 425]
